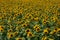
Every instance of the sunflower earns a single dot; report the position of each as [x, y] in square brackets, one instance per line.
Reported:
[1, 29]
[30, 34]
[9, 35]
[28, 16]
[53, 19]
[37, 29]
[19, 38]
[44, 38]
[17, 28]
[45, 31]
[51, 39]
[15, 33]
[10, 30]
[27, 30]
[58, 30]
[36, 26]
[53, 32]
[24, 24]
[36, 19]
[44, 21]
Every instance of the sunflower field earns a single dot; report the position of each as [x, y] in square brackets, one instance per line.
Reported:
[29, 19]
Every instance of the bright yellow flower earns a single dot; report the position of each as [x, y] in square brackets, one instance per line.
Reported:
[36, 19]
[36, 26]
[45, 31]
[53, 32]
[30, 34]
[28, 16]
[27, 30]
[15, 33]
[44, 38]
[53, 19]
[1, 29]
[58, 30]
[19, 39]
[44, 21]
[10, 30]
[24, 24]
[17, 28]
[37, 29]
[51, 39]
[9, 35]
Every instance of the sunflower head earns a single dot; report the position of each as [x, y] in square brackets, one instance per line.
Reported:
[15, 33]
[36, 26]
[19, 39]
[37, 29]
[44, 38]
[44, 21]
[36, 19]
[1, 29]
[24, 24]
[30, 34]
[45, 31]
[27, 30]
[10, 30]
[58, 30]
[9, 35]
